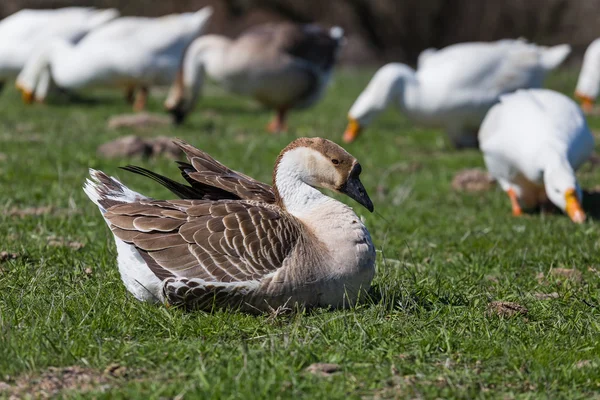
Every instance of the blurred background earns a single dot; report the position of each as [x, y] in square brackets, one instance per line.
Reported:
[384, 30]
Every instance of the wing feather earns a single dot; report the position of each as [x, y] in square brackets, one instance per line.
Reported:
[222, 241]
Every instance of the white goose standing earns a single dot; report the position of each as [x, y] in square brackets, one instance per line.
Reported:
[233, 242]
[454, 87]
[27, 30]
[532, 143]
[128, 52]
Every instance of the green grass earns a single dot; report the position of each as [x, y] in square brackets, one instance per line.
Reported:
[443, 256]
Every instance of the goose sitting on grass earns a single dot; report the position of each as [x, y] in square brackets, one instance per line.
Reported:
[233, 242]
[130, 52]
[532, 143]
[27, 30]
[281, 65]
[454, 87]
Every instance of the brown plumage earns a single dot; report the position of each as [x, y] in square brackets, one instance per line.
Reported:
[209, 179]
[281, 65]
[237, 245]
[220, 241]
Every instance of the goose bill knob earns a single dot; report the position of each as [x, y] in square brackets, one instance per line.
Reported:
[574, 210]
[354, 188]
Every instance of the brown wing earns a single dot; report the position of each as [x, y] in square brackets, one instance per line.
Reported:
[216, 181]
[309, 42]
[209, 179]
[219, 242]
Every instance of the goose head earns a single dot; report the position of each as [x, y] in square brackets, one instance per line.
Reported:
[588, 82]
[388, 84]
[563, 190]
[318, 163]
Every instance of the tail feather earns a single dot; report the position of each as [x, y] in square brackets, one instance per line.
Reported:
[106, 191]
[101, 17]
[553, 56]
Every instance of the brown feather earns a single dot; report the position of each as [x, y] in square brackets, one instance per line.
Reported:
[217, 242]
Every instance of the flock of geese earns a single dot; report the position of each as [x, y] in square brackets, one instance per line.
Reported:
[230, 241]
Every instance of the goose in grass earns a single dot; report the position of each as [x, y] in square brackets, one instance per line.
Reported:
[454, 87]
[233, 242]
[27, 30]
[588, 82]
[532, 143]
[130, 52]
[281, 65]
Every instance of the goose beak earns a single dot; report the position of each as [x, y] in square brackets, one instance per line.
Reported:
[26, 95]
[574, 210]
[354, 189]
[352, 130]
[587, 103]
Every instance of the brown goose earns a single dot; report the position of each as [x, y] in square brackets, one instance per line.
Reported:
[281, 65]
[239, 243]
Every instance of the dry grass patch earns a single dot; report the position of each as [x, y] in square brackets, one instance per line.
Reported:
[472, 180]
[505, 309]
[54, 382]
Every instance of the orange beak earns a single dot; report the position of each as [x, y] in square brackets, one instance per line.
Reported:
[574, 210]
[587, 103]
[26, 95]
[352, 130]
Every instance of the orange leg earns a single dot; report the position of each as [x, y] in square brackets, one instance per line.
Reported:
[516, 208]
[141, 99]
[278, 123]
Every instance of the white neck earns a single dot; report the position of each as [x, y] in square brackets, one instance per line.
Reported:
[589, 77]
[558, 171]
[393, 82]
[52, 55]
[298, 197]
[200, 55]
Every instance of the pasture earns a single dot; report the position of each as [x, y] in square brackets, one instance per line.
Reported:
[425, 332]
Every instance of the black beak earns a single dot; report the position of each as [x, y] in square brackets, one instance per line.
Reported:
[354, 188]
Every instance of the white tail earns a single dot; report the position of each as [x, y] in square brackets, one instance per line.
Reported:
[103, 16]
[553, 56]
[106, 191]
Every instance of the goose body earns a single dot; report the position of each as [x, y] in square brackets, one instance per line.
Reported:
[127, 52]
[455, 87]
[233, 242]
[282, 66]
[25, 31]
[533, 141]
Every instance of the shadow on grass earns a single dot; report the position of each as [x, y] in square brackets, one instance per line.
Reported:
[393, 299]
[591, 203]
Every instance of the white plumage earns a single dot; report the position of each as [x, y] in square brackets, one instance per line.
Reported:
[27, 30]
[533, 141]
[588, 82]
[454, 87]
[127, 52]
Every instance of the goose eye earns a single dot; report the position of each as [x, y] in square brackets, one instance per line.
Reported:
[335, 162]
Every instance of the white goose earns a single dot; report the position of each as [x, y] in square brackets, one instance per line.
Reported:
[128, 52]
[454, 87]
[24, 31]
[282, 66]
[233, 242]
[532, 142]
[588, 82]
